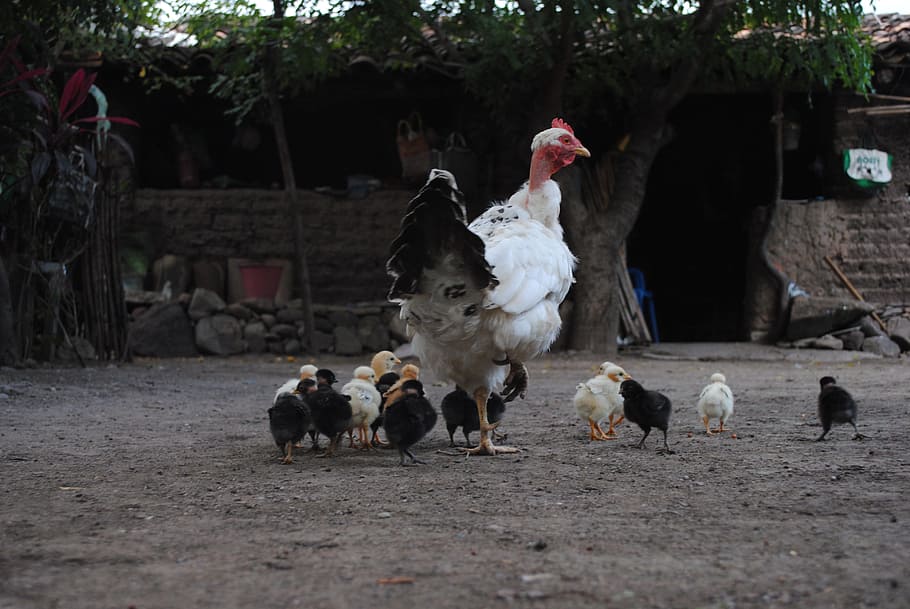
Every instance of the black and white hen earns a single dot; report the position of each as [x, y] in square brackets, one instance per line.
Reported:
[482, 296]
[646, 409]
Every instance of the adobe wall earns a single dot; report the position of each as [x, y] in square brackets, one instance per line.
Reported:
[867, 233]
[347, 240]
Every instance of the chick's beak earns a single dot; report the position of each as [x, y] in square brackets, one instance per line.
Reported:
[582, 151]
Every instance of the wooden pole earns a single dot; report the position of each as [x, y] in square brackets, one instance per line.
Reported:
[290, 183]
[853, 290]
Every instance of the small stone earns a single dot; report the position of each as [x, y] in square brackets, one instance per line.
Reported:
[239, 311]
[289, 316]
[204, 303]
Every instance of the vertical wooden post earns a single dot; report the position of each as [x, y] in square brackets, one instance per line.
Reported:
[290, 183]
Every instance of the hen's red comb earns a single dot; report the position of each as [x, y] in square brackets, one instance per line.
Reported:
[561, 124]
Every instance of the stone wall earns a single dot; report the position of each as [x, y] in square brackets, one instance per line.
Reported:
[869, 239]
[347, 239]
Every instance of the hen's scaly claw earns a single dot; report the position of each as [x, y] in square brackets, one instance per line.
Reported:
[486, 447]
[516, 385]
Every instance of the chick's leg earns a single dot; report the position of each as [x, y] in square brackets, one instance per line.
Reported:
[289, 449]
[611, 432]
[596, 432]
[485, 447]
[377, 441]
[720, 428]
[666, 447]
[706, 420]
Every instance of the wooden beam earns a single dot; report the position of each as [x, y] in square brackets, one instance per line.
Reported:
[853, 290]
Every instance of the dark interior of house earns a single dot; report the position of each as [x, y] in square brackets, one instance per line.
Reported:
[691, 239]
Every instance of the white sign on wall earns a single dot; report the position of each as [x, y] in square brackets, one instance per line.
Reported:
[868, 167]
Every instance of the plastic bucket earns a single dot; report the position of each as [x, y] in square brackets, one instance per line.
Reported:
[260, 280]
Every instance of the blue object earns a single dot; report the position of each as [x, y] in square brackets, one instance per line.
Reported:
[644, 295]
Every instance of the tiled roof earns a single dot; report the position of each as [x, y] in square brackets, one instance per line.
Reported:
[890, 36]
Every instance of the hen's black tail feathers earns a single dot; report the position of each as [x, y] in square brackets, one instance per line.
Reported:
[434, 226]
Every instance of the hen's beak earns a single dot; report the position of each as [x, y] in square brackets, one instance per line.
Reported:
[582, 151]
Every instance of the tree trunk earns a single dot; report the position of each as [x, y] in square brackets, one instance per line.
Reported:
[781, 280]
[600, 224]
[8, 350]
[102, 286]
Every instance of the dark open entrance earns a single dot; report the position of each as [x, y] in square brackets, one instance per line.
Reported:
[692, 237]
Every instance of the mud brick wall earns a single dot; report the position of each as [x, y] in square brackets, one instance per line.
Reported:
[867, 233]
[869, 239]
[347, 240]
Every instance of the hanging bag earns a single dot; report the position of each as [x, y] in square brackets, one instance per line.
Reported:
[413, 148]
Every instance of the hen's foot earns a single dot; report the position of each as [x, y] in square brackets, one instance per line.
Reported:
[516, 385]
[486, 447]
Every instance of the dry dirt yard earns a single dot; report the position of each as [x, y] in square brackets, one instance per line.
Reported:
[157, 485]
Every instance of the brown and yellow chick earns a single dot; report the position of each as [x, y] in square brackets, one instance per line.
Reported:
[382, 362]
[409, 372]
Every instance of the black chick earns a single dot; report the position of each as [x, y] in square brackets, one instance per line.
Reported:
[835, 405]
[324, 376]
[304, 388]
[384, 383]
[408, 419]
[289, 418]
[460, 410]
[331, 412]
[646, 409]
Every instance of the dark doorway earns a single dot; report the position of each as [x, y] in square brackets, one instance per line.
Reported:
[692, 237]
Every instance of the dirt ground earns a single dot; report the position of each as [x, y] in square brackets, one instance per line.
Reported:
[157, 485]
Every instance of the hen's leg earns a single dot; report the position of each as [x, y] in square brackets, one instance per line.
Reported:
[485, 447]
[705, 420]
[289, 448]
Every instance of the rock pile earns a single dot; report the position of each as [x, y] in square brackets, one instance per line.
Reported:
[204, 323]
[825, 323]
